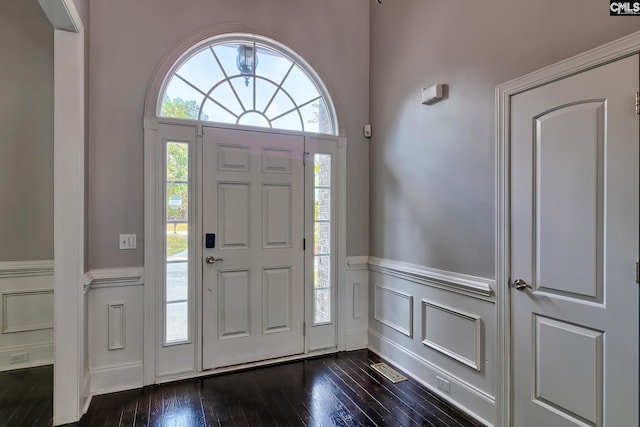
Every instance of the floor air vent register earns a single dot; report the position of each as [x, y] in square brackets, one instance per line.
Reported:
[388, 372]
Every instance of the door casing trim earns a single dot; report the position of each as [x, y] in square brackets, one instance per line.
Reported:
[154, 247]
[625, 46]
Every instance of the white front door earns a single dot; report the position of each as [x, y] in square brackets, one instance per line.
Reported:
[574, 245]
[253, 291]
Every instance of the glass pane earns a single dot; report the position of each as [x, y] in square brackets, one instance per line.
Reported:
[280, 104]
[321, 306]
[181, 100]
[322, 238]
[290, 121]
[177, 326]
[225, 96]
[322, 272]
[311, 116]
[215, 113]
[264, 92]
[177, 238]
[300, 86]
[322, 165]
[244, 92]
[272, 65]
[254, 119]
[177, 286]
[201, 70]
[322, 207]
[227, 55]
[325, 125]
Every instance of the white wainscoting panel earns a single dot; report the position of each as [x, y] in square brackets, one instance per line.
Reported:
[116, 328]
[394, 309]
[356, 302]
[456, 324]
[24, 311]
[452, 332]
[26, 314]
[464, 395]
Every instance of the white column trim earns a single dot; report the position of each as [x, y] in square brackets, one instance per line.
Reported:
[614, 50]
[69, 213]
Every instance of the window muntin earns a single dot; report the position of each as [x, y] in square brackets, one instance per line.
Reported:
[278, 93]
[322, 216]
[177, 243]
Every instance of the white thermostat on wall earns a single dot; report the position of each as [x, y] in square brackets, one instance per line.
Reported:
[432, 94]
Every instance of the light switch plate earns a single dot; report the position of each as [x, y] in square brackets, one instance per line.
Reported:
[127, 241]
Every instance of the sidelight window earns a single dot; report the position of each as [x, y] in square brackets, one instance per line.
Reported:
[322, 247]
[176, 247]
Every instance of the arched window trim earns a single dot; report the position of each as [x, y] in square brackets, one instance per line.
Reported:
[261, 41]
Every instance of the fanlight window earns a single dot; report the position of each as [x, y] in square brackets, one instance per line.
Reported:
[247, 82]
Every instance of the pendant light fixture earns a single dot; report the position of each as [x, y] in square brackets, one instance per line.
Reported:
[247, 61]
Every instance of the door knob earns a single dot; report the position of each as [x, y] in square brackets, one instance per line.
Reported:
[212, 260]
[520, 285]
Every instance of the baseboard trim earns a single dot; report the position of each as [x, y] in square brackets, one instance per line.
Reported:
[26, 268]
[86, 392]
[464, 396]
[39, 355]
[115, 378]
[356, 339]
[473, 286]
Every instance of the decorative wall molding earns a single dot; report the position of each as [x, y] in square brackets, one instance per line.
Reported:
[357, 263]
[356, 300]
[36, 321]
[114, 277]
[465, 396]
[117, 325]
[476, 287]
[450, 339]
[10, 269]
[382, 310]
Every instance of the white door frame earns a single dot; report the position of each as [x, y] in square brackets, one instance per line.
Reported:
[70, 376]
[153, 248]
[609, 52]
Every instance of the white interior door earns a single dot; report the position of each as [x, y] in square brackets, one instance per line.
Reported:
[253, 293]
[574, 242]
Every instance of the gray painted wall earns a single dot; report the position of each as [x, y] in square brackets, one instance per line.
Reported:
[432, 167]
[26, 132]
[129, 39]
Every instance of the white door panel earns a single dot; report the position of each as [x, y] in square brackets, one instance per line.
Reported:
[253, 302]
[574, 241]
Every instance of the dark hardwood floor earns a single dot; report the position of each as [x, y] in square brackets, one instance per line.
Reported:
[26, 397]
[338, 390]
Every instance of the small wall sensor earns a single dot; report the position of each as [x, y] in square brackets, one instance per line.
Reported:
[431, 95]
[367, 131]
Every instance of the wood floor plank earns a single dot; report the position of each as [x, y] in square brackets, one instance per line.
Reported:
[336, 390]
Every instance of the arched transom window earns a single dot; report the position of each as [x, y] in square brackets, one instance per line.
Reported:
[247, 80]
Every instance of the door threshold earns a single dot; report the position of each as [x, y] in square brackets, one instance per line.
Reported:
[244, 366]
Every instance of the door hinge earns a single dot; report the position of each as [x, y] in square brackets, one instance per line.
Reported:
[304, 244]
[304, 329]
[306, 154]
[638, 272]
[637, 102]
